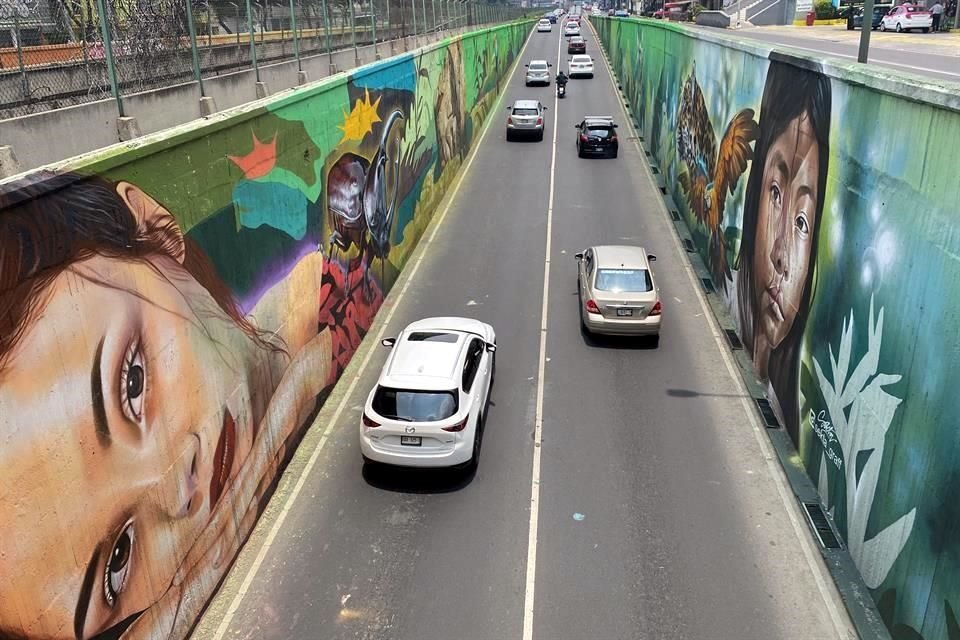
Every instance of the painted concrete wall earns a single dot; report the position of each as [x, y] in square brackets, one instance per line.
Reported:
[82, 128]
[823, 198]
[174, 311]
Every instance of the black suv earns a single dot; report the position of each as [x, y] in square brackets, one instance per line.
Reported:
[597, 135]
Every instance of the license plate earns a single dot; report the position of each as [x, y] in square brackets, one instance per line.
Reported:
[624, 312]
[410, 441]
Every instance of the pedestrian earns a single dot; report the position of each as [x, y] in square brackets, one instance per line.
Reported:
[937, 12]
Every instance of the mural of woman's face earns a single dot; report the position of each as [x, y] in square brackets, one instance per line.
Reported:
[786, 218]
[126, 410]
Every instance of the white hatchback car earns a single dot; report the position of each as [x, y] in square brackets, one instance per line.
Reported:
[544, 26]
[428, 407]
[571, 29]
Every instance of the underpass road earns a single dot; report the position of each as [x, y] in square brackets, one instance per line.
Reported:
[684, 531]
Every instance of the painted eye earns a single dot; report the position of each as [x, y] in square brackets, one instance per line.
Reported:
[133, 382]
[802, 225]
[776, 195]
[117, 571]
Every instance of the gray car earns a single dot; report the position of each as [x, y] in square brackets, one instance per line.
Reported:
[538, 72]
[525, 119]
[617, 291]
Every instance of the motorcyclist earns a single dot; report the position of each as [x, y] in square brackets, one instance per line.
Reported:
[561, 78]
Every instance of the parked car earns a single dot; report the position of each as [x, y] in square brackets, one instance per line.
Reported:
[855, 17]
[525, 119]
[576, 44]
[907, 17]
[617, 291]
[429, 404]
[597, 135]
[538, 72]
[544, 26]
[621, 13]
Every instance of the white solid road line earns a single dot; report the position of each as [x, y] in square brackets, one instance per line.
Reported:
[790, 503]
[873, 59]
[393, 304]
[528, 599]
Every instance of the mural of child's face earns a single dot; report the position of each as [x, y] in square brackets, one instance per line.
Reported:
[786, 219]
[125, 413]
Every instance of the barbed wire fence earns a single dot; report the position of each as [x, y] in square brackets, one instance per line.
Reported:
[58, 53]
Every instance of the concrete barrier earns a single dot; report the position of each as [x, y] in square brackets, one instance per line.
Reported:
[173, 311]
[823, 199]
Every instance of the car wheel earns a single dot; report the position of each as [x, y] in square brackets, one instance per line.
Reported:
[509, 137]
[367, 462]
[540, 137]
[477, 443]
[614, 154]
[899, 28]
[925, 29]
[655, 341]
[883, 27]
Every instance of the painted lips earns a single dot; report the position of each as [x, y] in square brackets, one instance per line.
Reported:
[223, 458]
[774, 293]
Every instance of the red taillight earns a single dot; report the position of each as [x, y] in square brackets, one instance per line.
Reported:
[509, 119]
[657, 309]
[613, 138]
[592, 307]
[460, 426]
[583, 137]
[370, 424]
[539, 120]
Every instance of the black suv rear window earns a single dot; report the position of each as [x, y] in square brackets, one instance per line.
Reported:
[414, 406]
[599, 131]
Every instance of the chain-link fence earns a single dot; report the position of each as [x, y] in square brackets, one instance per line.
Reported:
[57, 53]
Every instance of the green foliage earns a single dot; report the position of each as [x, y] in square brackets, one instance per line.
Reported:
[695, 10]
[825, 10]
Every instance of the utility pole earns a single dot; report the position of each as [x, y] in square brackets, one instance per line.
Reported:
[865, 28]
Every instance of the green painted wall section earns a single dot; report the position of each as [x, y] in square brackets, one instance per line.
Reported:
[823, 199]
[174, 311]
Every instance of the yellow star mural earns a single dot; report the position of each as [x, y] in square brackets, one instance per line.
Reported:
[359, 122]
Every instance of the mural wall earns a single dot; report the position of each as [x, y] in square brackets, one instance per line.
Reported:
[172, 316]
[826, 212]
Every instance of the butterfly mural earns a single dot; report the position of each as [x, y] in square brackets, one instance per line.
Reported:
[708, 172]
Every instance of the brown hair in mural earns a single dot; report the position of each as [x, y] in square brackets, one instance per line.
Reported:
[140, 411]
[449, 111]
[782, 210]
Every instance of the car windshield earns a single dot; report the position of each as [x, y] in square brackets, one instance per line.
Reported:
[538, 66]
[414, 406]
[524, 112]
[624, 280]
[599, 132]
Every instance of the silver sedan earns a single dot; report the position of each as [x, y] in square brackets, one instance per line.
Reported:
[618, 292]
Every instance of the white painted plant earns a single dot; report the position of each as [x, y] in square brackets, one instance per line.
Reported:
[17, 8]
[871, 411]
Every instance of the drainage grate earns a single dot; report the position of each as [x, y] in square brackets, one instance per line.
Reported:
[733, 339]
[646, 153]
[821, 525]
[766, 411]
[707, 285]
[688, 245]
[675, 215]
[655, 170]
[663, 190]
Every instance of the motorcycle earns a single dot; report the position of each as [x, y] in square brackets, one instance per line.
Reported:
[561, 90]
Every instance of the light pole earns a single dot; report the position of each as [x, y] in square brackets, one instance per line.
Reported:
[865, 31]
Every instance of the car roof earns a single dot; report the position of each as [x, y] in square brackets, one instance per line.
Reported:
[620, 256]
[543, 62]
[581, 57]
[431, 364]
[598, 121]
[526, 104]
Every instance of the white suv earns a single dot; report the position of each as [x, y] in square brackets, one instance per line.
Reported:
[428, 407]
[544, 26]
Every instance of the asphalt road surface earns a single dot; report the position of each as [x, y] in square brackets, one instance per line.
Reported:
[911, 55]
[661, 509]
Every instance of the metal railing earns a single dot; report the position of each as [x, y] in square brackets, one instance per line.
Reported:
[57, 53]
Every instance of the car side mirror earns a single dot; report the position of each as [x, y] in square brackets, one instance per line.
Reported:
[576, 126]
[526, 65]
[651, 257]
[616, 126]
[578, 256]
[491, 347]
[388, 342]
